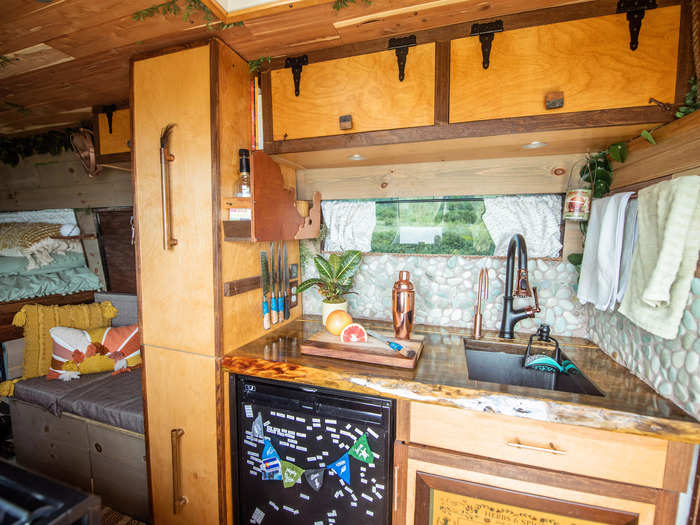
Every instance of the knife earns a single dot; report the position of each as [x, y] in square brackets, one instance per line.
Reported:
[286, 283]
[265, 282]
[280, 280]
[273, 282]
[393, 345]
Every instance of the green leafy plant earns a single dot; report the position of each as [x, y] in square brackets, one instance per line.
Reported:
[691, 102]
[335, 275]
[13, 149]
[340, 4]
[646, 135]
[6, 61]
[172, 7]
[257, 64]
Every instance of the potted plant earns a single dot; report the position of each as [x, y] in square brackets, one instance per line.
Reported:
[334, 280]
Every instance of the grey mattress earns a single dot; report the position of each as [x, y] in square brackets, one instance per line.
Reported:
[114, 400]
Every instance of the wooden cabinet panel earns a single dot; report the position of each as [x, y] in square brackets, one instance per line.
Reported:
[589, 60]
[180, 390]
[364, 86]
[608, 455]
[441, 488]
[176, 284]
[117, 140]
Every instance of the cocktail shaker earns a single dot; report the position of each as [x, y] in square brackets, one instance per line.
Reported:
[404, 305]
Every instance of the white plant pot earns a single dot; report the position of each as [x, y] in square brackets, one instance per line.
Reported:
[331, 307]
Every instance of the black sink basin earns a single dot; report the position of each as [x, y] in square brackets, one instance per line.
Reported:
[507, 369]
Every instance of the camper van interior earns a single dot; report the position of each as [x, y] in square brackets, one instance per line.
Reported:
[344, 262]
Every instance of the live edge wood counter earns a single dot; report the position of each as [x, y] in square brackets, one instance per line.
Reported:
[629, 405]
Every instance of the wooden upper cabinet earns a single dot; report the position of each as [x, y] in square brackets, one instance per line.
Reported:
[117, 139]
[589, 60]
[367, 87]
[177, 283]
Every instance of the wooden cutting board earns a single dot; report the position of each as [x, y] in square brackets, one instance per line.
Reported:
[374, 351]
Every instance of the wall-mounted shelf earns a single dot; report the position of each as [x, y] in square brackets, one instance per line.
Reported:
[273, 208]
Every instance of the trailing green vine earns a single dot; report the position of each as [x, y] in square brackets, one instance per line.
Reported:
[6, 61]
[13, 149]
[340, 4]
[172, 7]
[691, 102]
[257, 64]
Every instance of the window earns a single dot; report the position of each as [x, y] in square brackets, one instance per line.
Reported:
[432, 226]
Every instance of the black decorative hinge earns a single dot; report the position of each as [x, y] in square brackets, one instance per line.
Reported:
[401, 46]
[635, 13]
[109, 112]
[485, 32]
[296, 63]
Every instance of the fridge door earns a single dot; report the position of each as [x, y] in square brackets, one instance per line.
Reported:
[311, 456]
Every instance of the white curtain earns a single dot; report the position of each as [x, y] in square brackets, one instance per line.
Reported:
[350, 225]
[536, 217]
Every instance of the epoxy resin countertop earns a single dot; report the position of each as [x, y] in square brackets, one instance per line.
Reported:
[441, 377]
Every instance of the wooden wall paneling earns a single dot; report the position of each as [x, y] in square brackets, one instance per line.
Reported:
[589, 60]
[675, 151]
[371, 93]
[174, 88]
[44, 181]
[467, 148]
[398, 500]
[117, 140]
[118, 248]
[430, 179]
[181, 391]
[679, 459]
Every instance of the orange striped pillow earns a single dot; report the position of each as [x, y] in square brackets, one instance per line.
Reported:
[77, 352]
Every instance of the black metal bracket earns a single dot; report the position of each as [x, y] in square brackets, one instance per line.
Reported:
[635, 14]
[296, 63]
[485, 32]
[109, 112]
[401, 46]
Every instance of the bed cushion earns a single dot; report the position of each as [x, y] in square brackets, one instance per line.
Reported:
[113, 400]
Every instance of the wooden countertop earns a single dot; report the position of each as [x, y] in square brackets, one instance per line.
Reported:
[440, 377]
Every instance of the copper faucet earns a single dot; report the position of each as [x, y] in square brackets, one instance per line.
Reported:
[478, 309]
[522, 288]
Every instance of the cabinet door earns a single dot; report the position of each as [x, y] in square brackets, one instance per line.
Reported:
[367, 87]
[176, 283]
[589, 60]
[181, 395]
[442, 487]
[117, 139]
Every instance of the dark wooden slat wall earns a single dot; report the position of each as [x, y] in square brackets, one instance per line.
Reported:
[117, 249]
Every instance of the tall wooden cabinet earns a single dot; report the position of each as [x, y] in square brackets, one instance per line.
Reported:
[187, 321]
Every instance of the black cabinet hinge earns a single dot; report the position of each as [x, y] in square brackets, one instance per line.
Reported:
[635, 13]
[485, 32]
[296, 63]
[109, 113]
[401, 46]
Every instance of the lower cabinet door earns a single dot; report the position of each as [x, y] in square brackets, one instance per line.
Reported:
[436, 487]
[181, 432]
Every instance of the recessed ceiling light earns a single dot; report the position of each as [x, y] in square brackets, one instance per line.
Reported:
[534, 145]
[356, 156]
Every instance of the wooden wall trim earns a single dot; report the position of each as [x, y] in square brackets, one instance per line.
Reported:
[265, 80]
[112, 158]
[483, 128]
[685, 59]
[679, 459]
[442, 83]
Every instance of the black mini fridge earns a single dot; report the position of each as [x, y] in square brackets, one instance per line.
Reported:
[310, 456]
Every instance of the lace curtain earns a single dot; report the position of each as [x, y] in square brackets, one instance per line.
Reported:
[350, 225]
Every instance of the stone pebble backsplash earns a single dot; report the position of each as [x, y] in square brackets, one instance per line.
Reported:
[669, 366]
[446, 289]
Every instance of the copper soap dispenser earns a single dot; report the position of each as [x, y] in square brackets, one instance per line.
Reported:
[404, 305]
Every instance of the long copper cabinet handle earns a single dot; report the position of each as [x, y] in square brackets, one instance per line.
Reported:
[166, 157]
[179, 500]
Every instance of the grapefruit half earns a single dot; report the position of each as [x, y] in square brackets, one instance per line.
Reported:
[353, 333]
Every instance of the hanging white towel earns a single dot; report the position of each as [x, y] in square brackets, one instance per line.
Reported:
[666, 255]
[600, 269]
[629, 241]
[536, 217]
[350, 225]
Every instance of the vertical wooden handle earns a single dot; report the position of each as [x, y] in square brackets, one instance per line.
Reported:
[165, 159]
[396, 488]
[178, 499]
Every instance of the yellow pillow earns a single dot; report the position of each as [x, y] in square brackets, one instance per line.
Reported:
[37, 320]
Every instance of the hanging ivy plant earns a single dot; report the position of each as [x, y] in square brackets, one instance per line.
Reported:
[691, 102]
[172, 7]
[340, 4]
[257, 64]
[13, 149]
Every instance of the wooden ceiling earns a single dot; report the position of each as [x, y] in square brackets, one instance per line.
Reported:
[62, 57]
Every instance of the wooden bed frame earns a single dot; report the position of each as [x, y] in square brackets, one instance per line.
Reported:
[8, 310]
